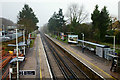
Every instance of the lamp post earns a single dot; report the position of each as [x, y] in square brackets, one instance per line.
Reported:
[83, 37]
[17, 56]
[113, 42]
[83, 42]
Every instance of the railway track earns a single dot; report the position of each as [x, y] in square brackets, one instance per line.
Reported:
[54, 67]
[67, 67]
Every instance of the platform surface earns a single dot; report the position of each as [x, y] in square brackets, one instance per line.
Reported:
[36, 60]
[99, 65]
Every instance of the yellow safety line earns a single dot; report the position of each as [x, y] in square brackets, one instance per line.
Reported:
[40, 69]
[40, 74]
[87, 61]
[40, 66]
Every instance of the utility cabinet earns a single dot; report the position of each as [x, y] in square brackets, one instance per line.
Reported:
[99, 51]
[103, 51]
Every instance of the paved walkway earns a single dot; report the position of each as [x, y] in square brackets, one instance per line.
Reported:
[100, 65]
[36, 60]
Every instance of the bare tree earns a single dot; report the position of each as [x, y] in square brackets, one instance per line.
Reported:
[76, 13]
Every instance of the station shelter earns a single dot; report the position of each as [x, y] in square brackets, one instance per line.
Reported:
[103, 51]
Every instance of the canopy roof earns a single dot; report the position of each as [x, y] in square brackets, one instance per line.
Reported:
[19, 44]
[95, 44]
[20, 59]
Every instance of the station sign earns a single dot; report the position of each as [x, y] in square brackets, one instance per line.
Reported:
[27, 72]
[73, 38]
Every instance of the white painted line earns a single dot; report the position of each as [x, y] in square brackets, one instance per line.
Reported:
[47, 61]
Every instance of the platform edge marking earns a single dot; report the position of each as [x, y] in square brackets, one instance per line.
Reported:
[47, 61]
[88, 62]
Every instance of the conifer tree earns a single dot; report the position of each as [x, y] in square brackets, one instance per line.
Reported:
[27, 19]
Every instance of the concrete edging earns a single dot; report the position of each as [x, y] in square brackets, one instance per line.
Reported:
[93, 74]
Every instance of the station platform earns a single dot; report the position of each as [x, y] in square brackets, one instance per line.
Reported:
[99, 65]
[36, 60]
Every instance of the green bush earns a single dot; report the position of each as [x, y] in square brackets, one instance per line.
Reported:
[32, 43]
[117, 51]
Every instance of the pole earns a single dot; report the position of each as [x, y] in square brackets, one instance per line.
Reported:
[114, 44]
[24, 40]
[83, 42]
[17, 56]
[9, 74]
[83, 38]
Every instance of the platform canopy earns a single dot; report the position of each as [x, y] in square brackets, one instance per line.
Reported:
[20, 59]
[19, 44]
[95, 44]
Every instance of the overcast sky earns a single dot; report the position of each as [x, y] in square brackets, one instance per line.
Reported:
[45, 8]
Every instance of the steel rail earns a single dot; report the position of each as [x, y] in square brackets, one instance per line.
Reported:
[74, 76]
[63, 72]
[43, 42]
